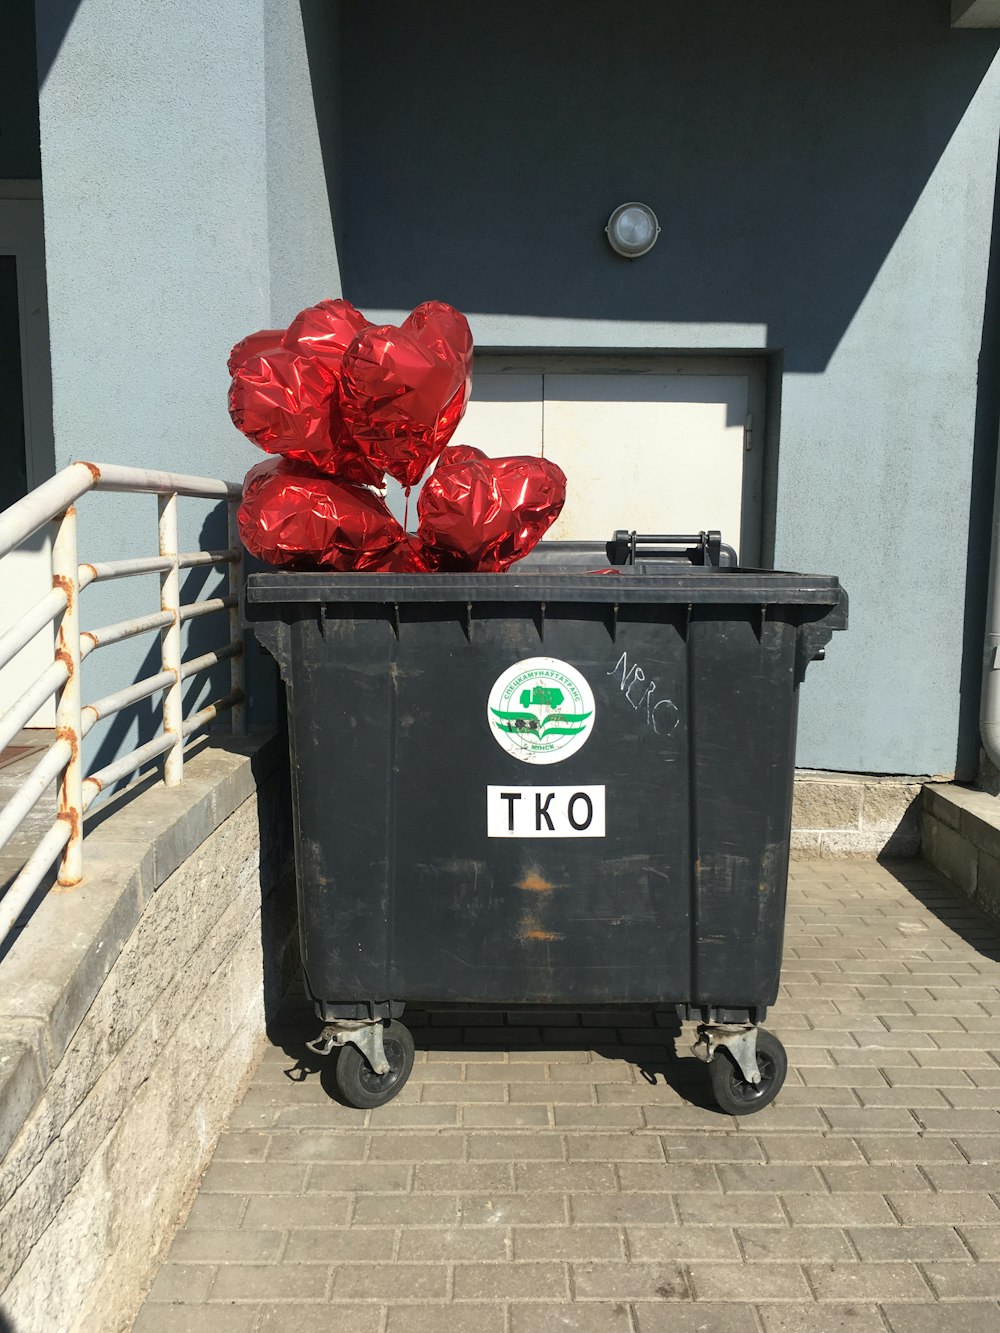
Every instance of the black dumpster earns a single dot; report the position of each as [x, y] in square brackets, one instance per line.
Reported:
[566, 785]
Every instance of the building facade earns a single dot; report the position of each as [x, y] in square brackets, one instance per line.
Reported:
[809, 355]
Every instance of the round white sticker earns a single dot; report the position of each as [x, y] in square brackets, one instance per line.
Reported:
[541, 710]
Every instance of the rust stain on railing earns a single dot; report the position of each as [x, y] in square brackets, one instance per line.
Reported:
[65, 586]
[74, 819]
[68, 735]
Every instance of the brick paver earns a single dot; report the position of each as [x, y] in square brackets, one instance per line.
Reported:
[545, 1171]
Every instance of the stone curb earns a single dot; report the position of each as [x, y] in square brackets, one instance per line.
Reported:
[961, 839]
[56, 966]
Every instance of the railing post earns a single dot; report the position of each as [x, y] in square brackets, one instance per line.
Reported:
[68, 721]
[170, 643]
[237, 663]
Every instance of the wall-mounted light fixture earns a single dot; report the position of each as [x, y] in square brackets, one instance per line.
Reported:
[632, 230]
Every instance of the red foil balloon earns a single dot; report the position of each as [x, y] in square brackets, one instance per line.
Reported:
[405, 558]
[343, 461]
[325, 330]
[482, 514]
[282, 401]
[404, 390]
[251, 345]
[293, 518]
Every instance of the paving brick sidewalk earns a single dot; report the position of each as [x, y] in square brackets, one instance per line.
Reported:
[539, 1175]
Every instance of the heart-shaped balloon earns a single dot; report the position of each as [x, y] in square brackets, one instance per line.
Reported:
[325, 330]
[282, 401]
[481, 514]
[404, 390]
[406, 557]
[292, 517]
[251, 345]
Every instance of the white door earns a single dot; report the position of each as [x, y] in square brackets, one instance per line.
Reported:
[26, 430]
[662, 445]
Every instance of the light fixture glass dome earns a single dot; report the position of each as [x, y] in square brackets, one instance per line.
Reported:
[632, 230]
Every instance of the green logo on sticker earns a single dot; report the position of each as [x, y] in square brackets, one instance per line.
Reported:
[541, 710]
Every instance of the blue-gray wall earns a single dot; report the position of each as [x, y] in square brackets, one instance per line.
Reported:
[186, 203]
[824, 176]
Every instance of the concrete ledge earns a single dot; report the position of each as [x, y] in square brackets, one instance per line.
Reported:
[54, 969]
[21, 1083]
[855, 814]
[133, 1009]
[961, 838]
[937, 802]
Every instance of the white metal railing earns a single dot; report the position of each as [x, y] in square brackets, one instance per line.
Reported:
[54, 502]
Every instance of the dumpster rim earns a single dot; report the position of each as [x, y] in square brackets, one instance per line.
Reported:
[696, 587]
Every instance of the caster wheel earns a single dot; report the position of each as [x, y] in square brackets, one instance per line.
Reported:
[733, 1093]
[358, 1083]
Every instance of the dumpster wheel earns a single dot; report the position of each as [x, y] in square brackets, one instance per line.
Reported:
[357, 1081]
[734, 1093]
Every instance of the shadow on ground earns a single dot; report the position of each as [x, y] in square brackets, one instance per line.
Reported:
[929, 888]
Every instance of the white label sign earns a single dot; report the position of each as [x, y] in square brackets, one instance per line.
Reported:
[545, 812]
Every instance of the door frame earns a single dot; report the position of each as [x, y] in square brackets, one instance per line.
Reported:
[22, 235]
[755, 435]
[27, 570]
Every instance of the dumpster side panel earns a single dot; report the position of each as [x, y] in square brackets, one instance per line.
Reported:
[742, 708]
[340, 724]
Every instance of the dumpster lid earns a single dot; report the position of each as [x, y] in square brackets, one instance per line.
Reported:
[721, 587]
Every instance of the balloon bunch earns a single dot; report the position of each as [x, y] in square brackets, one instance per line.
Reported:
[340, 403]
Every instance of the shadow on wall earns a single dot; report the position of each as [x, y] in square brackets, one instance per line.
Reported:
[53, 20]
[141, 722]
[783, 147]
[980, 533]
[321, 34]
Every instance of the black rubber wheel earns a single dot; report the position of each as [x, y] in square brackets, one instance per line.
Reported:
[733, 1093]
[358, 1083]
